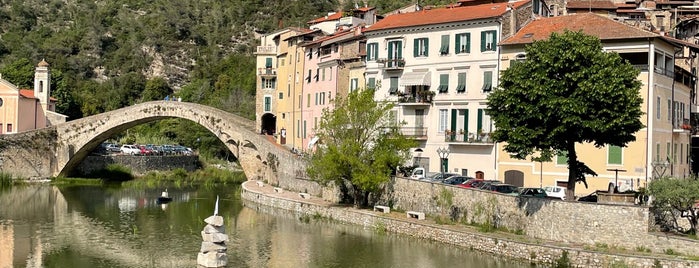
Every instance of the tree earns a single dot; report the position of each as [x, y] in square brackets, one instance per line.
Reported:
[678, 197]
[360, 146]
[567, 91]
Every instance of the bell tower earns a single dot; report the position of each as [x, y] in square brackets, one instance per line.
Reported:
[42, 84]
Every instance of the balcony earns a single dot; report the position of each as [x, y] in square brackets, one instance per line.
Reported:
[468, 139]
[682, 126]
[392, 64]
[269, 72]
[418, 133]
[266, 50]
[422, 98]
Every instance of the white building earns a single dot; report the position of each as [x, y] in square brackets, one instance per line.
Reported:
[438, 65]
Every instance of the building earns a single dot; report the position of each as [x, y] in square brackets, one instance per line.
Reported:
[438, 65]
[660, 149]
[26, 109]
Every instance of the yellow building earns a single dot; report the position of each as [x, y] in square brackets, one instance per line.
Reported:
[660, 149]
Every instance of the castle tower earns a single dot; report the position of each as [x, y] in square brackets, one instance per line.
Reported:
[42, 84]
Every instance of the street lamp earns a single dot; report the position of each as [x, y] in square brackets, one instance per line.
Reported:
[443, 155]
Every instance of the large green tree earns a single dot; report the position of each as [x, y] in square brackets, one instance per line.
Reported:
[567, 91]
[676, 197]
[360, 146]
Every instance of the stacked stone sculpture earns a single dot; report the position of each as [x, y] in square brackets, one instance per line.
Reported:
[213, 247]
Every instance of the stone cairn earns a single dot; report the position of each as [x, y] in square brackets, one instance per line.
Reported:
[213, 247]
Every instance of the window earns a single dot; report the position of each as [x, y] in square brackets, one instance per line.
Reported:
[442, 120]
[420, 47]
[371, 83]
[681, 153]
[317, 76]
[667, 153]
[322, 98]
[308, 100]
[487, 81]
[461, 84]
[372, 51]
[298, 128]
[395, 53]
[394, 85]
[323, 74]
[562, 158]
[41, 86]
[308, 78]
[444, 48]
[674, 153]
[304, 129]
[281, 95]
[657, 152]
[269, 82]
[669, 110]
[463, 43]
[9, 128]
[268, 63]
[354, 83]
[316, 98]
[613, 155]
[657, 108]
[268, 103]
[281, 62]
[310, 53]
[443, 83]
[488, 41]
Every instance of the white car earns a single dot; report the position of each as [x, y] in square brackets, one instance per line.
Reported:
[130, 149]
[555, 192]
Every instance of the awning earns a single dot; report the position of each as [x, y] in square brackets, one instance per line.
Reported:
[415, 79]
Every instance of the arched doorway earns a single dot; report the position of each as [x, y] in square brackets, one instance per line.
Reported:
[480, 175]
[269, 124]
[514, 177]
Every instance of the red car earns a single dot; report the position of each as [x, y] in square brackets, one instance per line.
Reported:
[470, 183]
[145, 150]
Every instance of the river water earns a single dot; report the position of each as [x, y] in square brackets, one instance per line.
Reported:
[113, 226]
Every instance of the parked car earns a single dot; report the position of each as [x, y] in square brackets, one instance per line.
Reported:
[113, 148]
[145, 150]
[557, 192]
[418, 174]
[487, 183]
[130, 149]
[469, 183]
[438, 177]
[153, 149]
[456, 180]
[589, 198]
[502, 188]
[533, 192]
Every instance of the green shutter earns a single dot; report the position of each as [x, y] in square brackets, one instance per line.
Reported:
[390, 50]
[268, 63]
[465, 124]
[375, 50]
[562, 158]
[399, 48]
[462, 79]
[453, 123]
[483, 41]
[468, 43]
[444, 49]
[495, 40]
[457, 44]
[372, 83]
[416, 47]
[614, 155]
[480, 121]
[427, 47]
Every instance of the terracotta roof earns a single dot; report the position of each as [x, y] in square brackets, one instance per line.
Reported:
[365, 9]
[631, 6]
[443, 15]
[593, 4]
[335, 16]
[679, 42]
[29, 94]
[591, 24]
[43, 63]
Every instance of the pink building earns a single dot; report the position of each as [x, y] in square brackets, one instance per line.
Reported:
[323, 79]
[26, 109]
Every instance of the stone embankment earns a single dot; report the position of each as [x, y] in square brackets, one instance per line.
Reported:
[518, 247]
[140, 165]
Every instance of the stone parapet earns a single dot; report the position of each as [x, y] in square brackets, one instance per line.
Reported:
[538, 253]
[139, 165]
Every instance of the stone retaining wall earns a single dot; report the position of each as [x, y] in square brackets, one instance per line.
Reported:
[620, 226]
[140, 165]
[512, 249]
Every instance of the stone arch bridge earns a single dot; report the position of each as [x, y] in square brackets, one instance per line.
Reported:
[57, 150]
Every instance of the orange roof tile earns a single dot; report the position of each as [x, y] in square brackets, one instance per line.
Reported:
[443, 15]
[364, 9]
[591, 4]
[335, 16]
[591, 24]
[29, 94]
